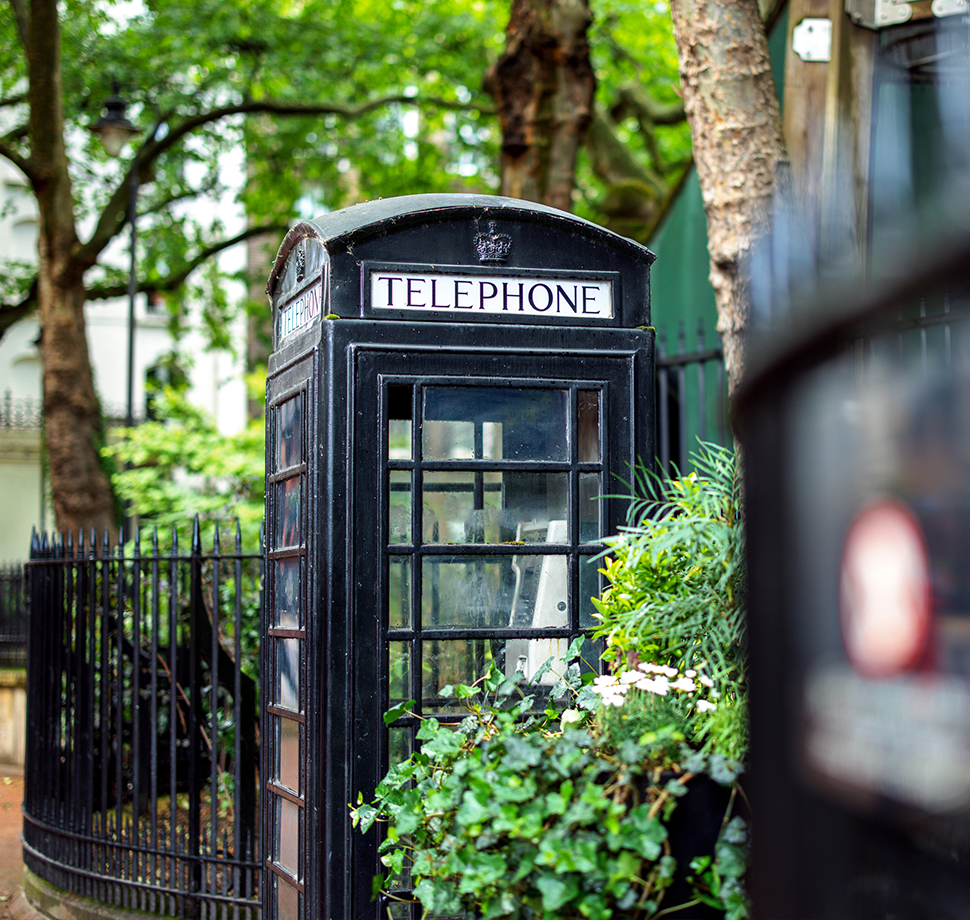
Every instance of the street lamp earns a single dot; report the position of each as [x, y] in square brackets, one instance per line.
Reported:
[115, 131]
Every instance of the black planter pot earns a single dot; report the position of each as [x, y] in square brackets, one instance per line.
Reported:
[692, 831]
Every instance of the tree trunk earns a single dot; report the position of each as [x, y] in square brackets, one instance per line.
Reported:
[73, 428]
[543, 84]
[735, 123]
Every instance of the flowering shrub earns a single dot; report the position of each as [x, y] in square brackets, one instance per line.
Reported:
[576, 807]
[659, 679]
[676, 590]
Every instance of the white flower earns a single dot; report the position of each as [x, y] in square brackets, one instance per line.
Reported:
[684, 684]
[630, 677]
[690, 673]
[603, 681]
[657, 669]
[706, 706]
[570, 716]
[659, 685]
[706, 681]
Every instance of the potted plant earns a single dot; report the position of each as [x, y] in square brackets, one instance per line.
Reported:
[618, 797]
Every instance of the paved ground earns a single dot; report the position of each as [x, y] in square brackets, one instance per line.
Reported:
[11, 857]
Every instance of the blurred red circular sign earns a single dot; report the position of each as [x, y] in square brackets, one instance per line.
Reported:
[884, 590]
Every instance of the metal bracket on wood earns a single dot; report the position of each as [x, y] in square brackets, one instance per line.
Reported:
[881, 14]
[811, 40]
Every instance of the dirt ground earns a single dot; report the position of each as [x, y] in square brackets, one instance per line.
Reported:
[11, 856]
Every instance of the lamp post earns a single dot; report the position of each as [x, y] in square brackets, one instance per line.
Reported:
[115, 131]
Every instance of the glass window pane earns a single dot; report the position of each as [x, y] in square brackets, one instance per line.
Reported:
[462, 507]
[399, 413]
[590, 586]
[288, 821]
[588, 425]
[399, 745]
[494, 423]
[540, 598]
[399, 439]
[465, 591]
[399, 673]
[288, 504]
[589, 507]
[287, 593]
[288, 734]
[287, 900]
[524, 659]
[399, 592]
[289, 433]
[401, 910]
[493, 507]
[399, 511]
[288, 673]
[447, 662]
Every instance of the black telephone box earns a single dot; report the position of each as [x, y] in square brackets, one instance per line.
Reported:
[456, 381]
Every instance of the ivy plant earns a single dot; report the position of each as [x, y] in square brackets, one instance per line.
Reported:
[576, 803]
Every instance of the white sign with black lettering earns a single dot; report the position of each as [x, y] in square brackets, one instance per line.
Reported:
[301, 312]
[550, 297]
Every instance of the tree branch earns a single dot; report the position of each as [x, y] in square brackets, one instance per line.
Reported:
[22, 163]
[11, 313]
[22, 19]
[636, 101]
[162, 205]
[175, 279]
[114, 214]
[15, 99]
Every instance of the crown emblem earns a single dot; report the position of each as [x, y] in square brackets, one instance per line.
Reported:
[493, 246]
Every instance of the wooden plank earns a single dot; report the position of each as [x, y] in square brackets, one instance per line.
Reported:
[804, 121]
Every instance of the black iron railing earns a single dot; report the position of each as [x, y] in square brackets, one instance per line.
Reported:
[691, 397]
[142, 725]
[13, 617]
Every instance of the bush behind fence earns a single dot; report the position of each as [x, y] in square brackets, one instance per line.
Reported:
[142, 739]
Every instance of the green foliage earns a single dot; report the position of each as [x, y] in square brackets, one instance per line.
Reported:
[528, 814]
[180, 64]
[180, 466]
[676, 585]
[521, 814]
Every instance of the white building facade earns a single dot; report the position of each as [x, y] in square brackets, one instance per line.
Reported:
[216, 378]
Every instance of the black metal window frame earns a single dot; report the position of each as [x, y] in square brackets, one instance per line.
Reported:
[281, 547]
[575, 550]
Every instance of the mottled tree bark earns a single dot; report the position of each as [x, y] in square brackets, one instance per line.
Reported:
[732, 108]
[543, 84]
[73, 429]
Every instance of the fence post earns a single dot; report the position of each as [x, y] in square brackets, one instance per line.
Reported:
[196, 613]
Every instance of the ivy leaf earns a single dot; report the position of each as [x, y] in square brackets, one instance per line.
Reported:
[556, 892]
[736, 831]
[731, 859]
[725, 770]
[395, 712]
[364, 815]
